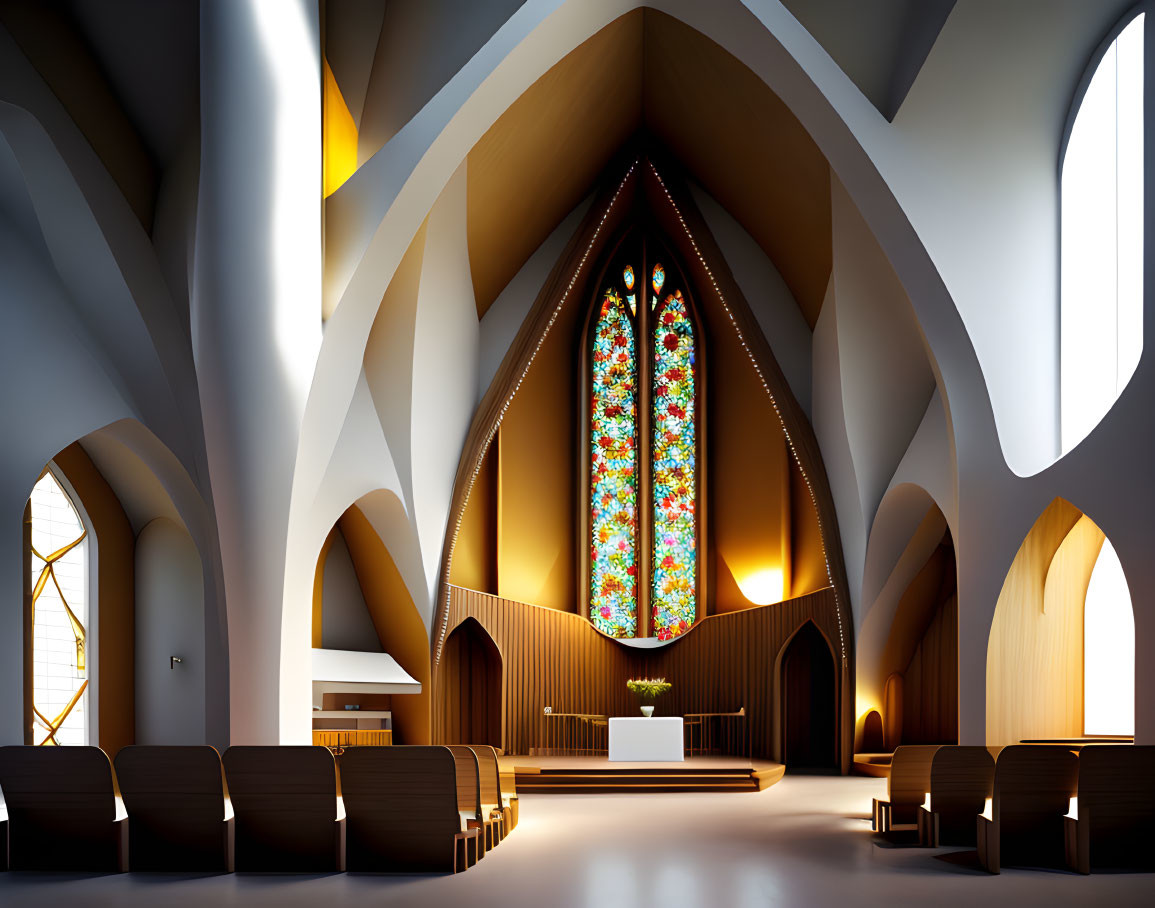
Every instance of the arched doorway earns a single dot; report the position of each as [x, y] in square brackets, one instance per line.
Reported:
[473, 686]
[809, 708]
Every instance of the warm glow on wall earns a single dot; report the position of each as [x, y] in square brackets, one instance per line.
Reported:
[339, 135]
[764, 587]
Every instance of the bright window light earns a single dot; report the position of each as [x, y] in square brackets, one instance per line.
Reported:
[60, 617]
[1108, 650]
[1101, 322]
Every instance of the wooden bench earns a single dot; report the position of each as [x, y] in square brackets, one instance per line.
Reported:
[402, 810]
[906, 788]
[469, 803]
[1023, 822]
[492, 789]
[287, 802]
[64, 809]
[961, 780]
[1113, 823]
[179, 814]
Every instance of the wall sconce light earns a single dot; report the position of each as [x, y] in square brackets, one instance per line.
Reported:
[173, 662]
[764, 587]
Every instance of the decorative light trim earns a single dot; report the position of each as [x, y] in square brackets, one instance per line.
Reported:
[444, 596]
[443, 603]
[769, 394]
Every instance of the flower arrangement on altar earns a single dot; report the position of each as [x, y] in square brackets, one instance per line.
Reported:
[648, 690]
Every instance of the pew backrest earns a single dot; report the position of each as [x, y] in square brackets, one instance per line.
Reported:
[177, 803]
[401, 804]
[74, 784]
[64, 809]
[468, 780]
[490, 774]
[1116, 784]
[1034, 781]
[285, 799]
[961, 779]
[158, 781]
[909, 779]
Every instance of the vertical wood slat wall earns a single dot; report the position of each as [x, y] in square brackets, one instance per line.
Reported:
[557, 659]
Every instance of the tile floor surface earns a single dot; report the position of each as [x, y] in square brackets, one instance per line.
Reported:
[805, 841]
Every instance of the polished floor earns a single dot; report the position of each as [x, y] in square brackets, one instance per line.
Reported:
[805, 842]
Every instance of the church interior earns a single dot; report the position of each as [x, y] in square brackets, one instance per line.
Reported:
[634, 452]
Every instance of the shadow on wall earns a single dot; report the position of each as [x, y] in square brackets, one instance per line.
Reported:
[1061, 651]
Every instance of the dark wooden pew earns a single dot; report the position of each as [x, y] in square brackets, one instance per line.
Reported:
[64, 809]
[402, 811]
[961, 779]
[906, 788]
[1023, 823]
[179, 814]
[491, 786]
[288, 808]
[1112, 825]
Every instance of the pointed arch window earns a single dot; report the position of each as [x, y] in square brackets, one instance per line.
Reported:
[58, 561]
[644, 451]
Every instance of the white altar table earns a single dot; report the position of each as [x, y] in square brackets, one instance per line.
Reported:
[642, 740]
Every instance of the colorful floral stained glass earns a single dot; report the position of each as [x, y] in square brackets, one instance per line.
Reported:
[674, 594]
[614, 472]
[628, 277]
[659, 279]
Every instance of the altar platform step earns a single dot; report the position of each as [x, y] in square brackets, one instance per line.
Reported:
[597, 775]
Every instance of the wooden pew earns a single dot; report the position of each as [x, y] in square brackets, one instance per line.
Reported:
[402, 808]
[492, 792]
[1113, 823]
[508, 781]
[287, 802]
[179, 814]
[64, 809]
[961, 779]
[906, 788]
[1023, 821]
[469, 803]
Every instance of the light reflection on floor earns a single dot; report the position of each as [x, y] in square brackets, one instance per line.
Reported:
[805, 841]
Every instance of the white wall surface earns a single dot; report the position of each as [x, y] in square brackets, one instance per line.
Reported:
[170, 699]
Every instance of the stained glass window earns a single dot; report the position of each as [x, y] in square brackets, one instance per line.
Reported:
[59, 615]
[673, 599]
[643, 359]
[614, 472]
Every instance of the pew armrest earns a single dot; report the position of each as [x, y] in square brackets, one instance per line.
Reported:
[1076, 843]
[927, 827]
[987, 838]
[121, 825]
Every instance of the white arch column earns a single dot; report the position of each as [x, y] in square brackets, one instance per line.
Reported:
[256, 313]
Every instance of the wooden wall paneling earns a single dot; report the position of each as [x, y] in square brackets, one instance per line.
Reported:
[558, 659]
[1035, 648]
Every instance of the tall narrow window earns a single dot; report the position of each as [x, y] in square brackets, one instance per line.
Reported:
[1108, 649]
[59, 562]
[643, 448]
[614, 471]
[1101, 321]
[674, 600]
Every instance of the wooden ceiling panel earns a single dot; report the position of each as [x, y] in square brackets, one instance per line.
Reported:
[539, 160]
[743, 144]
